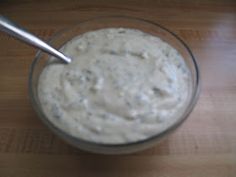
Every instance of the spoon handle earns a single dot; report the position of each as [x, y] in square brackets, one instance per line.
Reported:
[19, 33]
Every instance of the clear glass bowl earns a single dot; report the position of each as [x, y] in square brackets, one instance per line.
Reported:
[155, 29]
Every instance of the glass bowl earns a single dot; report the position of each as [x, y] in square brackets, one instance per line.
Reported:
[155, 29]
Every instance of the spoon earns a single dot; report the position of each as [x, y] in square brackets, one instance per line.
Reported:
[19, 33]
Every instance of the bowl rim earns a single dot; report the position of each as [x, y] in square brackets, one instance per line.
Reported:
[66, 136]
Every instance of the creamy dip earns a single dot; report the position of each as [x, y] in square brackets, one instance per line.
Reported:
[123, 85]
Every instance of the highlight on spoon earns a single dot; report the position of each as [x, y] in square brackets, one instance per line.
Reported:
[21, 34]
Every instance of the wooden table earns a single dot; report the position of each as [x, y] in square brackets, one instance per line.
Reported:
[205, 146]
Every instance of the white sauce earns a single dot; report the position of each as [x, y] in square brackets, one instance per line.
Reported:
[123, 85]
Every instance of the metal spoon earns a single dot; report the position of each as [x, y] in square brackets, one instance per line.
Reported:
[19, 33]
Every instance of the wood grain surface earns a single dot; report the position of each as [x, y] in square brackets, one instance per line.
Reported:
[204, 146]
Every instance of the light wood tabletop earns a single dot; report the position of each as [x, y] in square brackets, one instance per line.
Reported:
[204, 146]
